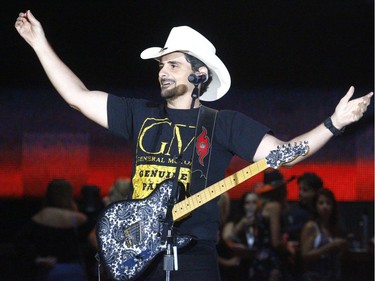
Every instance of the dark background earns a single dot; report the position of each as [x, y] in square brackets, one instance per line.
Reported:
[263, 43]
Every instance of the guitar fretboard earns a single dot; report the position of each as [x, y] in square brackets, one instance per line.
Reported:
[181, 209]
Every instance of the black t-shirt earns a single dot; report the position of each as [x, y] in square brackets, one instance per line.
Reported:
[159, 134]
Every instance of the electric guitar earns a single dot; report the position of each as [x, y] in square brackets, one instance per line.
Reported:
[129, 232]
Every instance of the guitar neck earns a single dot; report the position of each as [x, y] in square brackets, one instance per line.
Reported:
[183, 208]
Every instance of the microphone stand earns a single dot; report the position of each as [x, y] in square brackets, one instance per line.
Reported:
[170, 257]
[170, 261]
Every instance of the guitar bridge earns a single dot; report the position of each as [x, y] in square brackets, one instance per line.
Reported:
[133, 234]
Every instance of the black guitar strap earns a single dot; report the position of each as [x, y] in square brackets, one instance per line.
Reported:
[204, 133]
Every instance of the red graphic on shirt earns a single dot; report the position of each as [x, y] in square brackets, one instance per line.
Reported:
[202, 146]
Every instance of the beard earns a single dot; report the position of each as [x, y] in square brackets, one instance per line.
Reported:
[171, 94]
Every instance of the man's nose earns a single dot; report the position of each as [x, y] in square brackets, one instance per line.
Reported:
[162, 73]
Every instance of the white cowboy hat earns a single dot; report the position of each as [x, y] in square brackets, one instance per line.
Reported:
[187, 40]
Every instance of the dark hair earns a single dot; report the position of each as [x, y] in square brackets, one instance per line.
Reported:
[334, 219]
[59, 194]
[312, 180]
[239, 211]
[243, 199]
[90, 201]
[195, 65]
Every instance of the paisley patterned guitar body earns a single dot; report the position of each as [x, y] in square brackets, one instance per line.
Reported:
[129, 233]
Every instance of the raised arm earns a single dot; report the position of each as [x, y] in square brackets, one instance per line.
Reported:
[92, 104]
[347, 111]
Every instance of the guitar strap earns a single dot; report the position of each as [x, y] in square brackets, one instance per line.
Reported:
[204, 133]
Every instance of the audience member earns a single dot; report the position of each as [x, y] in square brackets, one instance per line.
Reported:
[295, 217]
[51, 241]
[239, 235]
[227, 260]
[90, 203]
[120, 190]
[309, 184]
[321, 244]
[242, 229]
[271, 250]
[299, 214]
[224, 207]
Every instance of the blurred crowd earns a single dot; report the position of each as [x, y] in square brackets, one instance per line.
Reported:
[271, 239]
[266, 239]
[59, 241]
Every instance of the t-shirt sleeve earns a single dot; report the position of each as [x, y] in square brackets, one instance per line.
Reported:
[119, 113]
[244, 134]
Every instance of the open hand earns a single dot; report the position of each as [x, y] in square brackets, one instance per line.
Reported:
[349, 111]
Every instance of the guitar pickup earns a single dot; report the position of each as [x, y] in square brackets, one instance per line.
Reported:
[133, 234]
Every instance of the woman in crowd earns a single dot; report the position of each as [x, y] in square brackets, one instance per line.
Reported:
[271, 249]
[227, 260]
[321, 244]
[242, 229]
[237, 237]
[50, 241]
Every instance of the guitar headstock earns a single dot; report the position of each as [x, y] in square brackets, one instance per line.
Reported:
[286, 153]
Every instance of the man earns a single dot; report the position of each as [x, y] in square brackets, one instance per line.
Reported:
[298, 215]
[162, 133]
[309, 184]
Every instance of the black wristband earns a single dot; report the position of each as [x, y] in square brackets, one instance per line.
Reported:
[328, 124]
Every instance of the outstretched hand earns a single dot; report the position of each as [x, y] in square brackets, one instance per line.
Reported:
[349, 111]
[29, 28]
